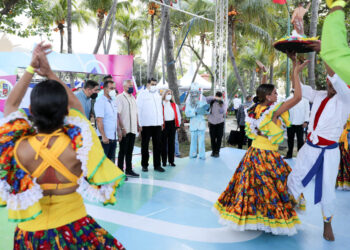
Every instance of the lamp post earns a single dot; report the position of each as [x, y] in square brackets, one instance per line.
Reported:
[287, 71]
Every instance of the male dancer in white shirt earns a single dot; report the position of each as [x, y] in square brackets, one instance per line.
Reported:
[320, 155]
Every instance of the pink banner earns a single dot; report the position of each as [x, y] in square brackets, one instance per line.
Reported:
[6, 85]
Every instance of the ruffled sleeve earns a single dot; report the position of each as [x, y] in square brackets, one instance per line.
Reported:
[259, 118]
[101, 177]
[18, 191]
[272, 130]
[344, 135]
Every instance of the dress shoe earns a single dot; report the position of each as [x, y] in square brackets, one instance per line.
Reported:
[172, 165]
[131, 173]
[164, 164]
[144, 169]
[159, 169]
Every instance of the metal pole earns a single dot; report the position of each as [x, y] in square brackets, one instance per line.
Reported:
[287, 71]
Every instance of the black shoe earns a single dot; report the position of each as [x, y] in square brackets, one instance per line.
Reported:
[159, 169]
[131, 173]
[172, 164]
[212, 154]
[126, 178]
[164, 164]
[287, 157]
[144, 169]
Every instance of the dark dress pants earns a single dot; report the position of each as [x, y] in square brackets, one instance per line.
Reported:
[146, 134]
[291, 131]
[168, 142]
[216, 131]
[126, 146]
[109, 149]
[243, 138]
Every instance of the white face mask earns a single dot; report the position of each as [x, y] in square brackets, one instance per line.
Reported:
[168, 97]
[153, 89]
[112, 93]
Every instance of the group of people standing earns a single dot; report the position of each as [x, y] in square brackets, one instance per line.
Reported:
[122, 117]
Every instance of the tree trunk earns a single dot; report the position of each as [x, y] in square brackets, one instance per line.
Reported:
[172, 77]
[69, 25]
[103, 31]
[151, 46]
[180, 63]
[61, 34]
[233, 60]
[128, 44]
[169, 56]
[200, 60]
[111, 30]
[313, 32]
[205, 66]
[99, 27]
[69, 40]
[165, 14]
[271, 74]
[163, 63]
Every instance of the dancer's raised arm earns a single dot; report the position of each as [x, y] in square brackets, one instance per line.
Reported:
[298, 68]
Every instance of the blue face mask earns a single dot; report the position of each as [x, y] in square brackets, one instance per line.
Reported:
[131, 90]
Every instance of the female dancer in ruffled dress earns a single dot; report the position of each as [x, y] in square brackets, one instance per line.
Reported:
[256, 197]
[47, 161]
[343, 178]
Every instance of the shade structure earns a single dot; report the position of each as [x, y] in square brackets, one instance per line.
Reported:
[186, 81]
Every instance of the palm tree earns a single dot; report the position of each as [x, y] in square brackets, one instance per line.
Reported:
[132, 31]
[201, 28]
[154, 58]
[248, 19]
[100, 8]
[133, 46]
[59, 13]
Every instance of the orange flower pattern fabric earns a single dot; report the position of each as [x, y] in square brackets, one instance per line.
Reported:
[256, 197]
[343, 178]
[84, 233]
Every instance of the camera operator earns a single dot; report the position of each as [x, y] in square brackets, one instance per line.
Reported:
[216, 121]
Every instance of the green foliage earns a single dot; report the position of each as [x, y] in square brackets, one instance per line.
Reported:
[132, 30]
[12, 11]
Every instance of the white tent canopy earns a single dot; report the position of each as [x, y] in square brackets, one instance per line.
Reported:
[161, 85]
[185, 82]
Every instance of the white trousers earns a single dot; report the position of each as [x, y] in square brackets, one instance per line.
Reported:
[306, 158]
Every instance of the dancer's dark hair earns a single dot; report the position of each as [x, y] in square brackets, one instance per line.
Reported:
[48, 106]
[262, 91]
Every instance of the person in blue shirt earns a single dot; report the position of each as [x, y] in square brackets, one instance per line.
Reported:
[107, 118]
[88, 93]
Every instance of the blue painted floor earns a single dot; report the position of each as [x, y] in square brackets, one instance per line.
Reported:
[172, 210]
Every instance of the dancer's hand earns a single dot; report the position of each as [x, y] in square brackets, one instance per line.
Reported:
[261, 66]
[300, 66]
[315, 46]
[292, 56]
[43, 68]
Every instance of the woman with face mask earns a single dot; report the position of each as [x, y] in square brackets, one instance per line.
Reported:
[172, 121]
